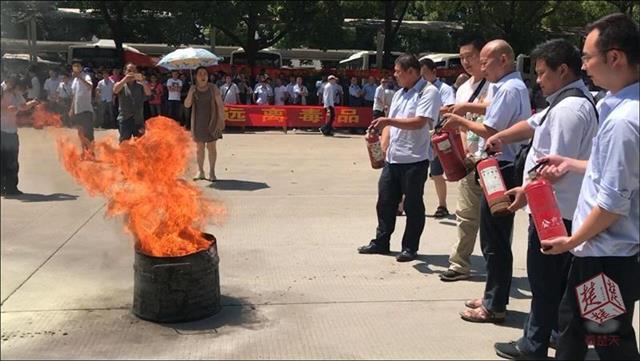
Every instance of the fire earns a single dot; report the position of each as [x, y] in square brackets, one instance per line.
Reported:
[40, 118]
[141, 180]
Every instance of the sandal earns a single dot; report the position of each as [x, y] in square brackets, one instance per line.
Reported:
[482, 315]
[474, 303]
[441, 212]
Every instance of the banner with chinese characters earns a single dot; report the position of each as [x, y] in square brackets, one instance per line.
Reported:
[294, 116]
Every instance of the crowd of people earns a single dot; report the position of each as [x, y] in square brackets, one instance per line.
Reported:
[589, 153]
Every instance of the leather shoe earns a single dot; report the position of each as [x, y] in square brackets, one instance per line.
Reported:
[373, 248]
[406, 256]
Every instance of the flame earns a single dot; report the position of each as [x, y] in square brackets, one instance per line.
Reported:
[141, 180]
[40, 118]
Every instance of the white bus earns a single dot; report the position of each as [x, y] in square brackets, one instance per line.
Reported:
[363, 60]
[267, 58]
[444, 60]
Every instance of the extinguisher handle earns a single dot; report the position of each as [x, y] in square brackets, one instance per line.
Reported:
[440, 124]
[537, 166]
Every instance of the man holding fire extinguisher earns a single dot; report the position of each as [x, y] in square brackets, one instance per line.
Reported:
[413, 110]
[605, 240]
[510, 104]
[564, 128]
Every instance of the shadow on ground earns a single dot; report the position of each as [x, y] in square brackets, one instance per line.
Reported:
[36, 197]
[235, 312]
[238, 185]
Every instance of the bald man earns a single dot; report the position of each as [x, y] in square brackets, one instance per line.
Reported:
[510, 104]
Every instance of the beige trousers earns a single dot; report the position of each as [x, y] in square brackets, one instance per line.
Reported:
[468, 215]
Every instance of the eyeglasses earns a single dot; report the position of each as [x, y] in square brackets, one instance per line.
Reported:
[586, 57]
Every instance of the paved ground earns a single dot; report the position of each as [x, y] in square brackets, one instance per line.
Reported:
[293, 285]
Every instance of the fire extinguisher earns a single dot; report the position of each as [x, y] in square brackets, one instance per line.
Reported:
[448, 148]
[492, 183]
[544, 207]
[376, 155]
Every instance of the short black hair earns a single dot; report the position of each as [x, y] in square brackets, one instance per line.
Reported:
[201, 67]
[618, 31]
[556, 52]
[477, 41]
[407, 61]
[430, 64]
[76, 61]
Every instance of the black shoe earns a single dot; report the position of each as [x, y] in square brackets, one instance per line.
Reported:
[13, 192]
[373, 248]
[441, 212]
[451, 275]
[510, 351]
[406, 256]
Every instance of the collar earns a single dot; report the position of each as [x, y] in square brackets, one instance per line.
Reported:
[513, 75]
[575, 84]
[416, 87]
[629, 92]
[437, 83]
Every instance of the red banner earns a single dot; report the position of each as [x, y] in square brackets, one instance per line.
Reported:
[294, 116]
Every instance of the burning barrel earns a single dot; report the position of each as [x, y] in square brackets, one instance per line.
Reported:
[177, 289]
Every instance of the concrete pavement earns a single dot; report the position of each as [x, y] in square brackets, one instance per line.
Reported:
[293, 284]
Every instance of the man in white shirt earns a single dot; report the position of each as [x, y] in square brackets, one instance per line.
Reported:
[300, 92]
[174, 88]
[230, 92]
[51, 85]
[389, 91]
[280, 93]
[320, 89]
[413, 111]
[329, 94]
[262, 94]
[81, 110]
[378, 99]
[290, 91]
[104, 98]
[34, 90]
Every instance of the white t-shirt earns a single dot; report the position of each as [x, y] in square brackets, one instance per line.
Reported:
[462, 96]
[34, 92]
[300, 91]
[263, 92]
[230, 93]
[329, 94]
[280, 94]
[174, 87]
[378, 99]
[81, 94]
[388, 97]
[51, 86]
[105, 86]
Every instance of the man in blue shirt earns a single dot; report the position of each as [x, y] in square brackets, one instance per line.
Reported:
[369, 92]
[565, 128]
[355, 93]
[413, 111]
[509, 105]
[605, 232]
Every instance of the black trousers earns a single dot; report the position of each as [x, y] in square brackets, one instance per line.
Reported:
[615, 339]
[495, 241]
[330, 116]
[547, 276]
[9, 147]
[174, 110]
[397, 180]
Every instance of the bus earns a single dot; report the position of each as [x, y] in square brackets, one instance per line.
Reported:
[444, 60]
[363, 60]
[103, 53]
[267, 58]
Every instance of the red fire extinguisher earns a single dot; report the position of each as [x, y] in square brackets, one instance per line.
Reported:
[450, 153]
[493, 185]
[376, 155]
[544, 207]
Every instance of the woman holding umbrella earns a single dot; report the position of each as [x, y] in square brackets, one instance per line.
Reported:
[207, 120]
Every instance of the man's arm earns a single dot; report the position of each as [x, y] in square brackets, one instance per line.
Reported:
[145, 87]
[117, 87]
[455, 121]
[516, 133]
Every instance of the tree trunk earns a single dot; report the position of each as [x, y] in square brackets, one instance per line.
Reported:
[389, 10]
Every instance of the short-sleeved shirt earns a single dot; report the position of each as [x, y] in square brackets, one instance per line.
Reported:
[509, 105]
[51, 86]
[354, 90]
[81, 94]
[64, 90]
[369, 91]
[131, 102]
[263, 92]
[105, 86]
[447, 95]
[230, 93]
[290, 90]
[612, 177]
[411, 146]
[8, 121]
[279, 95]
[329, 94]
[34, 91]
[300, 91]
[567, 131]
[464, 93]
[174, 88]
[378, 99]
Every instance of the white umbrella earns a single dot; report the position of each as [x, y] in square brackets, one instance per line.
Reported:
[188, 58]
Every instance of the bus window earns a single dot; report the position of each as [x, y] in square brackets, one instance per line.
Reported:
[96, 56]
[263, 59]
